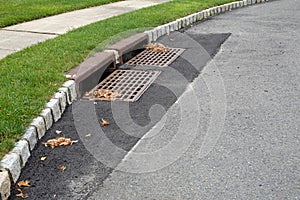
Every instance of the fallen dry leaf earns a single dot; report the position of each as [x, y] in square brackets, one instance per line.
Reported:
[43, 158]
[102, 94]
[59, 141]
[104, 122]
[58, 132]
[24, 183]
[62, 168]
[21, 194]
[157, 47]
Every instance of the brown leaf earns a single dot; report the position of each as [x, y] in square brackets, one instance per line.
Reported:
[23, 183]
[104, 122]
[66, 143]
[43, 158]
[102, 94]
[58, 132]
[59, 141]
[157, 47]
[62, 168]
[21, 194]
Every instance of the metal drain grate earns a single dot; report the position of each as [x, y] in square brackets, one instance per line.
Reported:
[151, 58]
[128, 85]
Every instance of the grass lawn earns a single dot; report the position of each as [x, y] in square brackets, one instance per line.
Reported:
[30, 77]
[16, 11]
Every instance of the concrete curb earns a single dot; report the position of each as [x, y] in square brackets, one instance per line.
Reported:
[127, 45]
[87, 74]
[14, 161]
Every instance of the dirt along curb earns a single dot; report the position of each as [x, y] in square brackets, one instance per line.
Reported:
[83, 78]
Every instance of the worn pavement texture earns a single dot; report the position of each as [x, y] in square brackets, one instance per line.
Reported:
[222, 122]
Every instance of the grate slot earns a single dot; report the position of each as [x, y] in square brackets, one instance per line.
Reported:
[129, 85]
[160, 59]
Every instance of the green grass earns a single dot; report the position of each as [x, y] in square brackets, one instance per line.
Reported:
[16, 11]
[30, 77]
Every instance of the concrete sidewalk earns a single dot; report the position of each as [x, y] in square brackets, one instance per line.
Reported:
[17, 37]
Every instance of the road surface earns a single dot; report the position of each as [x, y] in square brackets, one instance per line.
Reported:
[221, 123]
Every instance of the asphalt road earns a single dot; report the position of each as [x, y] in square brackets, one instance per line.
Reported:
[253, 86]
[222, 122]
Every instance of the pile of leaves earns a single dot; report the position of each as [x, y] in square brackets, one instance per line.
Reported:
[102, 94]
[59, 141]
[157, 47]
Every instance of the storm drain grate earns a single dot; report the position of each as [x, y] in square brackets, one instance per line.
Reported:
[151, 58]
[125, 85]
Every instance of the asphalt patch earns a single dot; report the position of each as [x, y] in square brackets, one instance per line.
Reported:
[210, 42]
[83, 172]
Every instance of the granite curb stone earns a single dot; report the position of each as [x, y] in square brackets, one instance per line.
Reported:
[61, 96]
[40, 126]
[4, 184]
[67, 93]
[223, 8]
[31, 137]
[12, 163]
[150, 35]
[22, 149]
[70, 84]
[47, 116]
[168, 27]
[53, 104]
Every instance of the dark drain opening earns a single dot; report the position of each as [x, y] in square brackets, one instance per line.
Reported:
[126, 57]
